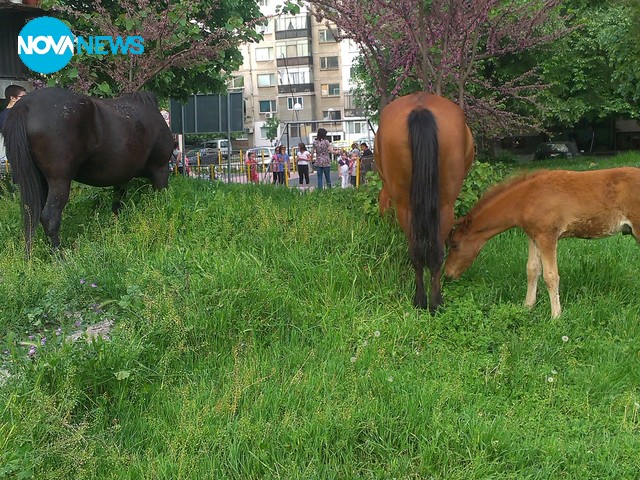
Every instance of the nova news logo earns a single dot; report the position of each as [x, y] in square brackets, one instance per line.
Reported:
[46, 45]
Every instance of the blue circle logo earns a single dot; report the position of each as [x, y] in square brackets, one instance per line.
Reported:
[45, 45]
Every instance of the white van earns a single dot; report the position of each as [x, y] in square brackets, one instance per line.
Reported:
[218, 145]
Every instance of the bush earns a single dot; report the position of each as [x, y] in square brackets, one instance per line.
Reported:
[481, 177]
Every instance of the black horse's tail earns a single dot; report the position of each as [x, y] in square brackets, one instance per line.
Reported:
[425, 191]
[30, 180]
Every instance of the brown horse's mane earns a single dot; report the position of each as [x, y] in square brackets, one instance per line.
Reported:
[495, 190]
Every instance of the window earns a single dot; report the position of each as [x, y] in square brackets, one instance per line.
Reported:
[291, 23]
[329, 63]
[264, 28]
[236, 82]
[268, 106]
[294, 75]
[264, 54]
[266, 80]
[326, 36]
[291, 49]
[330, 89]
[357, 128]
[263, 133]
[263, 3]
[291, 101]
[295, 131]
[331, 114]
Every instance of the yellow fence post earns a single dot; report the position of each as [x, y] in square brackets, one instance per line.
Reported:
[358, 174]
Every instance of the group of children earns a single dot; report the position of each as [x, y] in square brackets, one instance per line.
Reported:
[347, 165]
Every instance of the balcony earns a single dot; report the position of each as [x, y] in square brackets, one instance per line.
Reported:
[296, 88]
[355, 112]
[294, 61]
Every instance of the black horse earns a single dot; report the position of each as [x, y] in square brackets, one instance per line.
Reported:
[54, 136]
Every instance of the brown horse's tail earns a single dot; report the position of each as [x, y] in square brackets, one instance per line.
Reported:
[30, 180]
[425, 192]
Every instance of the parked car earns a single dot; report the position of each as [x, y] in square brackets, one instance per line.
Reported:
[221, 145]
[556, 150]
[263, 154]
[207, 156]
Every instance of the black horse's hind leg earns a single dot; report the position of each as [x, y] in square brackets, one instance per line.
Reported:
[118, 194]
[57, 198]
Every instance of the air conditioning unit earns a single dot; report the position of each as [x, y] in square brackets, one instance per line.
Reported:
[268, 115]
[248, 130]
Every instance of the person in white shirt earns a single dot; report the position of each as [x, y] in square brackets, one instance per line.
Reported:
[304, 158]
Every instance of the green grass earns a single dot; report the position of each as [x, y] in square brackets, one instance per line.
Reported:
[261, 333]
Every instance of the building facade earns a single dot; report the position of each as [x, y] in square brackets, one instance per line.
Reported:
[300, 75]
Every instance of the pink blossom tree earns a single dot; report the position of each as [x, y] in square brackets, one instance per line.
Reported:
[189, 45]
[440, 45]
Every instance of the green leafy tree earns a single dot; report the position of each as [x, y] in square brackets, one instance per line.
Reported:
[271, 127]
[595, 71]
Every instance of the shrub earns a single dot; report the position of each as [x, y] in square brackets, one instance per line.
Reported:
[481, 177]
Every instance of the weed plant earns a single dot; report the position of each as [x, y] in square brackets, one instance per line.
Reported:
[263, 333]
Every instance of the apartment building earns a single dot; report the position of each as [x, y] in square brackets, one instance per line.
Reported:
[300, 75]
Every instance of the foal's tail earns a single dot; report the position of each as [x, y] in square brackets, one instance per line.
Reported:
[30, 180]
[425, 192]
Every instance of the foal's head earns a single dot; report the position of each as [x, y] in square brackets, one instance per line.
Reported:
[464, 246]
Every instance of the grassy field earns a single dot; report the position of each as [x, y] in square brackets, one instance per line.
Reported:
[260, 333]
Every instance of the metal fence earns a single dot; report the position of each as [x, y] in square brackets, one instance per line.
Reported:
[235, 169]
[228, 170]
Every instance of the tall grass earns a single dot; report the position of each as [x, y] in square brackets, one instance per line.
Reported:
[261, 333]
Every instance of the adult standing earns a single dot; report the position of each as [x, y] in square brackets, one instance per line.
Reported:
[366, 162]
[13, 94]
[277, 165]
[304, 158]
[322, 150]
[176, 158]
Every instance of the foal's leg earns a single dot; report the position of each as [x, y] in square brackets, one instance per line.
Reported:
[57, 198]
[534, 269]
[548, 251]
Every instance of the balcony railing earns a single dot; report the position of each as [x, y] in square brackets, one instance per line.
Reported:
[294, 61]
[296, 88]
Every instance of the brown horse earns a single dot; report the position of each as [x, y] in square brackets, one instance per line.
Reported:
[549, 205]
[423, 151]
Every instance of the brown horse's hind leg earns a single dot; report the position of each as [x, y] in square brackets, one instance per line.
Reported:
[436, 290]
[52, 213]
[384, 201]
[534, 269]
[420, 297]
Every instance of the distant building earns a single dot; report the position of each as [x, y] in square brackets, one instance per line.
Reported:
[13, 16]
[300, 74]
